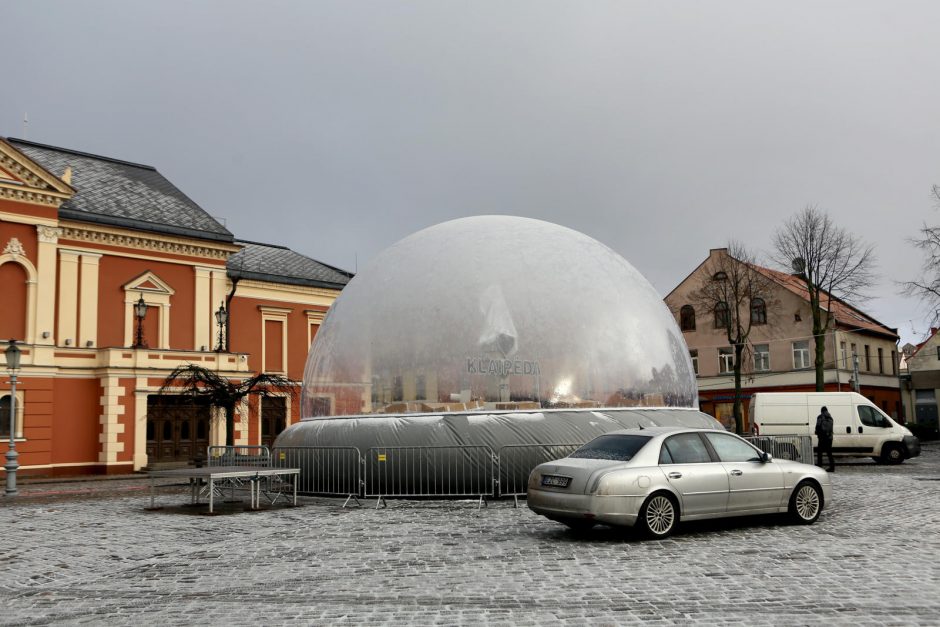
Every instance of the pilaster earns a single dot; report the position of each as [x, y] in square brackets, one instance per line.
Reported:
[67, 331]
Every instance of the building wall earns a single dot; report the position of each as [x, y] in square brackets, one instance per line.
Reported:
[68, 292]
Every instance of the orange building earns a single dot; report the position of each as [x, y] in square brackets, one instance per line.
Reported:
[83, 238]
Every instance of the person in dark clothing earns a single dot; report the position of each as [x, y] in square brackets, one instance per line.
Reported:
[824, 433]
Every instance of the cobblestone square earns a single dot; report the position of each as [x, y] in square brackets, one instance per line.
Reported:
[89, 552]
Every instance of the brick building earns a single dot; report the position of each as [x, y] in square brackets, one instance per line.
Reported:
[83, 239]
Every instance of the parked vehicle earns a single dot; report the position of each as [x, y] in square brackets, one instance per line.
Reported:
[860, 428]
[654, 478]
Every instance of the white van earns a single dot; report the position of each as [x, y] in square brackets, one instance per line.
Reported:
[860, 428]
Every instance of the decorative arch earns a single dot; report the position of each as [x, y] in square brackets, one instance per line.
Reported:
[30, 296]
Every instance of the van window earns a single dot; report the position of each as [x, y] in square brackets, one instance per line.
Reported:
[870, 417]
[687, 448]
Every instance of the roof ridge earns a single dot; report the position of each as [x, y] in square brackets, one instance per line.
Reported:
[239, 240]
[80, 153]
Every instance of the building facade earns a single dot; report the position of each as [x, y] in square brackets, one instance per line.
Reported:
[780, 356]
[920, 385]
[86, 241]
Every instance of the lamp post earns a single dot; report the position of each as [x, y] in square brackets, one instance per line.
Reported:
[140, 310]
[13, 364]
[221, 317]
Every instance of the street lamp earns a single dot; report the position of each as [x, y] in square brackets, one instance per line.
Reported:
[140, 310]
[221, 317]
[13, 364]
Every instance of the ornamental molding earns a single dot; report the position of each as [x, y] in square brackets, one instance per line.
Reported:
[21, 172]
[14, 247]
[288, 287]
[48, 234]
[142, 242]
[32, 196]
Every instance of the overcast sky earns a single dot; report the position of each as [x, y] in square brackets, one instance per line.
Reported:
[660, 129]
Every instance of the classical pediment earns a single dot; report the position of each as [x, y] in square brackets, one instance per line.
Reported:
[148, 282]
[24, 180]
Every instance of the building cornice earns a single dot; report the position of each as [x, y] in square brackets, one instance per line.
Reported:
[141, 241]
[288, 287]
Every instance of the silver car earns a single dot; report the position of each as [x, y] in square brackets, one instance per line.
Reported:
[653, 478]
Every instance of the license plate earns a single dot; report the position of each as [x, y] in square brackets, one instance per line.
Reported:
[555, 481]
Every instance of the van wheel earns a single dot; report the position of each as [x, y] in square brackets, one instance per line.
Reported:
[806, 503]
[892, 454]
[658, 516]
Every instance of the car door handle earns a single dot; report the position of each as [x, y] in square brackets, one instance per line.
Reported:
[675, 475]
[736, 472]
[860, 430]
[848, 429]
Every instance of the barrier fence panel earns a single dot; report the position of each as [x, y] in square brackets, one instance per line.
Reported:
[516, 461]
[799, 448]
[239, 456]
[443, 471]
[324, 470]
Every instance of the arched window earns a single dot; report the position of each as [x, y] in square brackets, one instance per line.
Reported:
[722, 315]
[687, 318]
[721, 275]
[758, 311]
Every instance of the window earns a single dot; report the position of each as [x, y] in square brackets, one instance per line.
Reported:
[687, 318]
[881, 361]
[761, 357]
[722, 315]
[801, 355]
[619, 448]
[843, 356]
[758, 311]
[894, 362]
[321, 406]
[6, 402]
[721, 275]
[421, 388]
[725, 360]
[867, 358]
[686, 448]
[871, 417]
[398, 390]
[693, 353]
[732, 449]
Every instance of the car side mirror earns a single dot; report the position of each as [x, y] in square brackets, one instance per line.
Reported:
[765, 457]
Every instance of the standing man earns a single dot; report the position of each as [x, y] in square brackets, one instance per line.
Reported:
[824, 433]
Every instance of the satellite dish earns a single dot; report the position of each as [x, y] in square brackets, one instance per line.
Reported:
[798, 265]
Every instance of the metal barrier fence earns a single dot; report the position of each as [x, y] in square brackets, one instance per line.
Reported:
[799, 448]
[242, 455]
[324, 470]
[435, 471]
[515, 462]
[429, 471]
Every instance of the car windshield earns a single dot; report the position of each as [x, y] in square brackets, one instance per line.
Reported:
[620, 448]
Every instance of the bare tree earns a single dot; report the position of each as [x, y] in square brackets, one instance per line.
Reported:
[831, 262]
[927, 286]
[739, 295]
[199, 382]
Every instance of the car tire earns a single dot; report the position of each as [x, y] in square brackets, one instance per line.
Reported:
[806, 503]
[658, 516]
[578, 524]
[892, 454]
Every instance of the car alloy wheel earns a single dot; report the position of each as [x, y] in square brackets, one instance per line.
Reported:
[806, 503]
[658, 516]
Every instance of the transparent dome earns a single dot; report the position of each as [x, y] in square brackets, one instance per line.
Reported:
[496, 313]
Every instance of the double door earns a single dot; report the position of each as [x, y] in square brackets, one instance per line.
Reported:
[177, 429]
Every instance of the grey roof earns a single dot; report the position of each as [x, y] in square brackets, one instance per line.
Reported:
[124, 194]
[278, 264]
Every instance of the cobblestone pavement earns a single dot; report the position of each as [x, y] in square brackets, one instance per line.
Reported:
[90, 553]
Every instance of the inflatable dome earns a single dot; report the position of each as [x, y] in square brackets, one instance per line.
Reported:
[496, 314]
